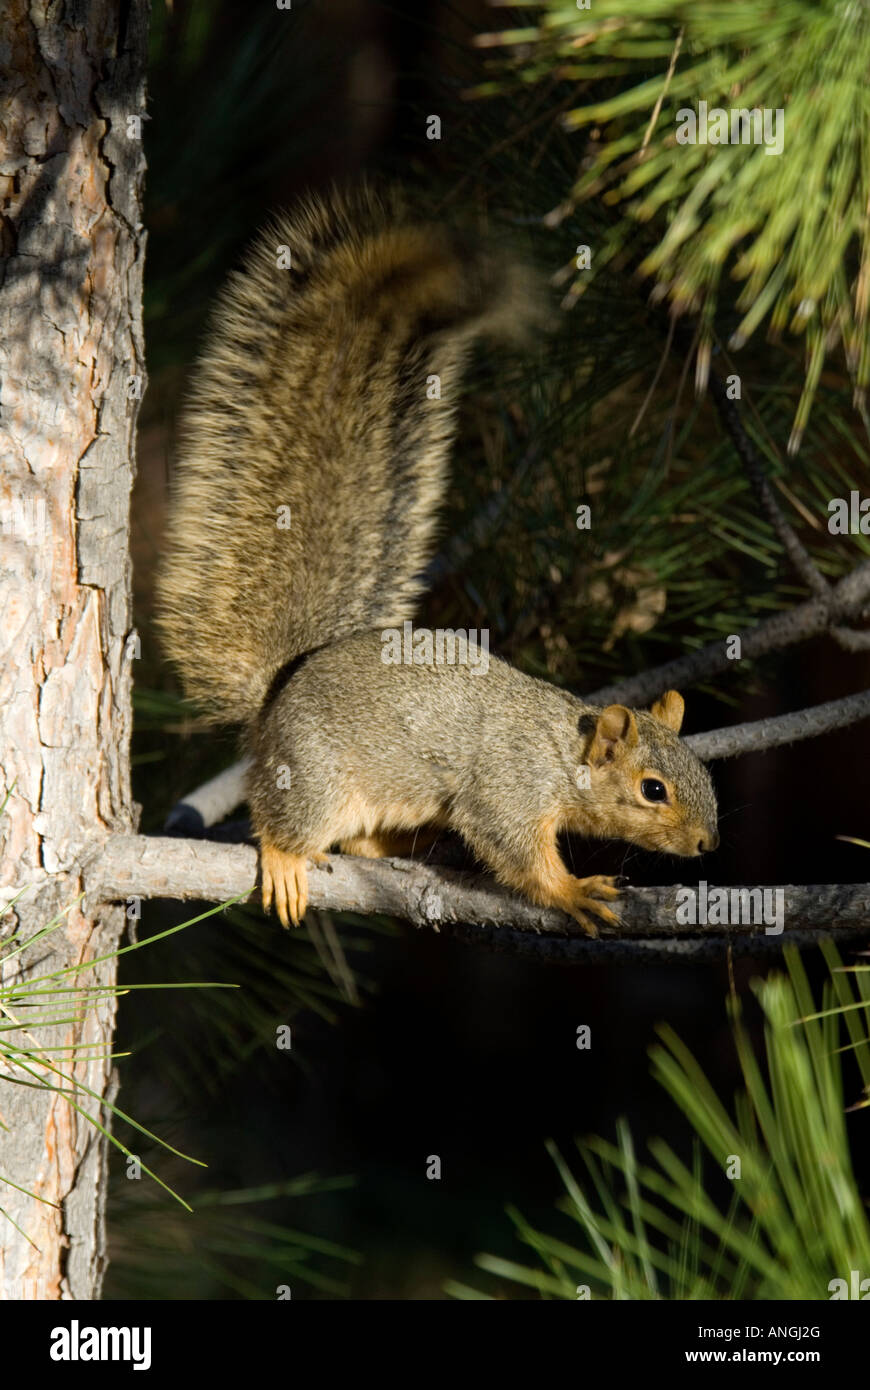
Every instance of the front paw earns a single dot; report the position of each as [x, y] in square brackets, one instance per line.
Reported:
[584, 896]
[599, 886]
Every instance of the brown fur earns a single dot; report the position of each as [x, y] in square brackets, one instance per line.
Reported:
[312, 395]
[363, 750]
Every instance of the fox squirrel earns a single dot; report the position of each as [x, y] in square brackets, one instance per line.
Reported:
[313, 464]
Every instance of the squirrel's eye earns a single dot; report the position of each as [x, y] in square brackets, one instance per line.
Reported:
[653, 790]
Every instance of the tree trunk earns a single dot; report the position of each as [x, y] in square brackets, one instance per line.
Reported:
[71, 257]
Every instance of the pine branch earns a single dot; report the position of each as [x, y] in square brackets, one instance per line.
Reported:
[849, 598]
[787, 728]
[470, 904]
[800, 558]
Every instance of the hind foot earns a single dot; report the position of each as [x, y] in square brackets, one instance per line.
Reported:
[285, 878]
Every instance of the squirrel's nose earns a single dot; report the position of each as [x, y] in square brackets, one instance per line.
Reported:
[708, 841]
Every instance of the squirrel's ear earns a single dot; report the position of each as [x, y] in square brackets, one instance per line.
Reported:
[669, 710]
[615, 732]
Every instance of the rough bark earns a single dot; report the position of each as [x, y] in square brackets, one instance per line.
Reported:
[71, 258]
[472, 904]
[785, 728]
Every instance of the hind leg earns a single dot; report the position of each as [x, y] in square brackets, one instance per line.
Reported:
[290, 834]
[384, 844]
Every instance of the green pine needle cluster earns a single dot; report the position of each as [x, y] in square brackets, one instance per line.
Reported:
[795, 1218]
[220, 1240]
[792, 229]
[41, 1014]
[234, 1248]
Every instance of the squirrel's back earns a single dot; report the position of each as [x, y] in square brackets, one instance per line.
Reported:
[313, 454]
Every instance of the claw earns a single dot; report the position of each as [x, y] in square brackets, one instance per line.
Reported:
[285, 879]
[267, 885]
[588, 926]
[586, 895]
[599, 886]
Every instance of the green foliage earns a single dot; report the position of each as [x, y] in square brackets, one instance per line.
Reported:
[228, 1250]
[200, 1042]
[220, 132]
[220, 1244]
[796, 1218]
[605, 414]
[41, 1015]
[792, 227]
[677, 551]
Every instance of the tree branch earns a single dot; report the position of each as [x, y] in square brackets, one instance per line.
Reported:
[848, 598]
[468, 904]
[801, 560]
[786, 728]
[211, 802]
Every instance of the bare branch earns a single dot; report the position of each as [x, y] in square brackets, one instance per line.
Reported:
[801, 560]
[847, 599]
[471, 904]
[787, 728]
[210, 803]
[851, 640]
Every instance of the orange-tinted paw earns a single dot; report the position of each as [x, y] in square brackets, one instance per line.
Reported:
[285, 878]
[588, 926]
[584, 897]
[598, 886]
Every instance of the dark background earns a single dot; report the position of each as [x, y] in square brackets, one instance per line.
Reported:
[453, 1050]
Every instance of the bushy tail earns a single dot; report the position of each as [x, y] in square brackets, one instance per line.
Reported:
[314, 446]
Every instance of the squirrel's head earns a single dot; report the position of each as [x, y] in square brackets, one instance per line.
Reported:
[653, 791]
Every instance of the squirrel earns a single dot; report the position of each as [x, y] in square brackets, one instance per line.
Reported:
[312, 465]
